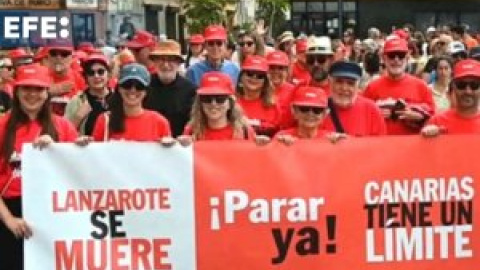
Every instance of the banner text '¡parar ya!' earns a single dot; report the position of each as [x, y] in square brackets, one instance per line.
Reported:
[108, 200]
[262, 210]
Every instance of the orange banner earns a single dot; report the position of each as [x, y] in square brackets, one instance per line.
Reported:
[372, 204]
[29, 4]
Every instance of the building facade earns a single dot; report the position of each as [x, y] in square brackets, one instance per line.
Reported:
[331, 17]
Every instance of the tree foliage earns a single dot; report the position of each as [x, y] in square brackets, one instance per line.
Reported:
[273, 12]
[201, 13]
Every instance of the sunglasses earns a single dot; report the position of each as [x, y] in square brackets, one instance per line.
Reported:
[164, 58]
[217, 43]
[399, 55]
[128, 85]
[248, 43]
[315, 110]
[92, 72]
[462, 85]
[219, 99]
[277, 68]
[256, 75]
[9, 68]
[321, 59]
[55, 53]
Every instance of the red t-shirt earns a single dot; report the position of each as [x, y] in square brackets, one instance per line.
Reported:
[225, 133]
[300, 73]
[363, 118]
[412, 90]
[147, 126]
[284, 96]
[27, 133]
[453, 123]
[321, 133]
[72, 76]
[264, 120]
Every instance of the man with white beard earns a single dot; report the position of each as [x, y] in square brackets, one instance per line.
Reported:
[169, 93]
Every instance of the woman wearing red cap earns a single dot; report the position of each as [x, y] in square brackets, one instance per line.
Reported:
[256, 96]
[215, 114]
[127, 119]
[29, 120]
[195, 52]
[310, 109]
[278, 69]
[84, 108]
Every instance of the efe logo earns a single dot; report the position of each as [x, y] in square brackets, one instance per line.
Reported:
[16, 27]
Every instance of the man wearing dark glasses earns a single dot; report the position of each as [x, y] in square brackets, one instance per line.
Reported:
[405, 101]
[66, 81]
[464, 117]
[350, 113]
[215, 45]
[319, 59]
[170, 94]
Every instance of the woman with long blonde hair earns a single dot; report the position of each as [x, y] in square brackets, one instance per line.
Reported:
[256, 96]
[215, 113]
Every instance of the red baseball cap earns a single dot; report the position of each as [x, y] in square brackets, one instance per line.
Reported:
[215, 83]
[141, 39]
[301, 45]
[215, 32]
[80, 55]
[197, 39]
[97, 57]
[61, 45]
[466, 68]
[278, 58]
[86, 47]
[401, 34]
[255, 63]
[18, 53]
[310, 96]
[41, 54]
[33, 75]
[395, 44]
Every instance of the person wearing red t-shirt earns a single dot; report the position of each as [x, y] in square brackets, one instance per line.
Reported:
[66, 81]
[278, 63]
[29, 120]
[215, 114]
[300, 73]
[464, 117]
[310, 109]
[256, 97]
[350, 113]
[127, 119]
[406, 101]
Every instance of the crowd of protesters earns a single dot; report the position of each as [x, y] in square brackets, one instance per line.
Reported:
[400, 83]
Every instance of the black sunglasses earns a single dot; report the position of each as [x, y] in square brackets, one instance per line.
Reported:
[315, 110]
[164, 58]
[321, 59]
[399, 55]
[256, 75]
[248, 43]
[55, 53]
[219, 99]
[128, 85]
[217, 43]
[462, 85]
[100, 72]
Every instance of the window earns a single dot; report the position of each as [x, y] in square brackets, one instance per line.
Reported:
[299, 7]
[315, 6]
[83, 28]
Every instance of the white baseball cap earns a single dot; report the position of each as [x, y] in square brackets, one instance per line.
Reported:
[319, 45]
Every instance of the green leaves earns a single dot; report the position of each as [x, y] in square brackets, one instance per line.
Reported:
[201, 13]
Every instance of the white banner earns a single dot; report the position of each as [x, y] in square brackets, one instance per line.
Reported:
[82, 4]
[105, 206]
